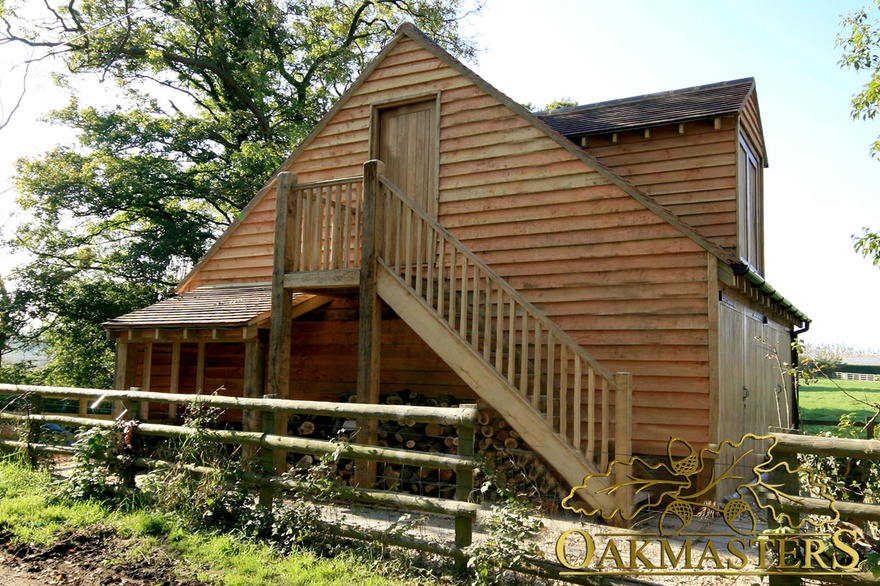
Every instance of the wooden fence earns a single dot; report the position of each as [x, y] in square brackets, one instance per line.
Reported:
[463, 418]
[788, 447]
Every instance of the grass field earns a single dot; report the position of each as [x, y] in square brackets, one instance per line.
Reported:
[829, 400]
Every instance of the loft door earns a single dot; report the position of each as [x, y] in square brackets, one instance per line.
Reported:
[406, 141]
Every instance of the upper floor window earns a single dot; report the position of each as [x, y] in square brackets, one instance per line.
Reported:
[750, 206]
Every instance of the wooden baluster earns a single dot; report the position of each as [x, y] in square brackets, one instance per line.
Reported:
[441, 277]
[396, 221]
[551, 375]
[408, 246]
[475, 311]
[511, 344]
[429, 264]
[317, 243]
[463, 298]
[308, 230]
[296, 228]
[524, 355]
[358, 192]
[452, 286]
[338, 228]
[499, 333]
[326, 240]
[345, 219]
[606, 420]
[487, 321]
[576, 404]
[591, 414]
[420, 261]
[536, 375]
[563, 391]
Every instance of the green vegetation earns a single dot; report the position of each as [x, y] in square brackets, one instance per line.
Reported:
[829, 400]
[31, 511]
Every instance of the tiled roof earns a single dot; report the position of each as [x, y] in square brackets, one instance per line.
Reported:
[204, 307]
[694, 103]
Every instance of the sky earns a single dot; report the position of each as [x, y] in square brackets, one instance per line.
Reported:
[821, 184]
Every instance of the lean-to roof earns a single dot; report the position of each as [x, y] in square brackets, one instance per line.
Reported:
[225, 307]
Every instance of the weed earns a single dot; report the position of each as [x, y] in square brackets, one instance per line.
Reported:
[510, 530]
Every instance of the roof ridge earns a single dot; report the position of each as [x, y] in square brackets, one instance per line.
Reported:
[633, 99]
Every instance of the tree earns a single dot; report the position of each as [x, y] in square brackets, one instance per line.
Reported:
[213, 95]
[861, 47]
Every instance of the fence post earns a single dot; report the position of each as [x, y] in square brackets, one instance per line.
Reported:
[790, 485]
[133, 413]
[464, 486]
[623, 439]
[33, 428]
[268, 457]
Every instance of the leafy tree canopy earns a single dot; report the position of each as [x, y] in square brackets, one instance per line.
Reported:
[861, 45]
[214, 94]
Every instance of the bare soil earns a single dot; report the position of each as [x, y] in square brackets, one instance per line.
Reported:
[96, 558]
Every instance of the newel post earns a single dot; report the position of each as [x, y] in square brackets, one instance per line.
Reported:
[623, 406]
[282, 303]
[370, 317]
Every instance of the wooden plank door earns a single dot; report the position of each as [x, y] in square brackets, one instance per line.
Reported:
[406, 141]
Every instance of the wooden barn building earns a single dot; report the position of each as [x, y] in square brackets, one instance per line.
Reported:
[498, 256]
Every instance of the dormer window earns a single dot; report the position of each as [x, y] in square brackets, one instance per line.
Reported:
[750, 206]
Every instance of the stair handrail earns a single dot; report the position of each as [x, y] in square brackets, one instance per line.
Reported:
[533, 311]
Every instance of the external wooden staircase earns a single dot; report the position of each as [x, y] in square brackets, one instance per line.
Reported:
[365, 236]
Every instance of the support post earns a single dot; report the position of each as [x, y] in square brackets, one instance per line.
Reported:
[143, 411]
[174, 383]
[623, 439]
[370, 318]
[282, 303]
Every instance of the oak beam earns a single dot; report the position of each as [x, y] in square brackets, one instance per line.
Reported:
[370, 318]
[282, 303]
[333, 279]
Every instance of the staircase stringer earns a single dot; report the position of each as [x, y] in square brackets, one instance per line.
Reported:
[491, 387]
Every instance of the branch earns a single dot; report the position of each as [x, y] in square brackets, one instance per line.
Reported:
[4, 123]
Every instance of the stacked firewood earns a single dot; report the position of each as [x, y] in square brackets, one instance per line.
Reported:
[505, 458]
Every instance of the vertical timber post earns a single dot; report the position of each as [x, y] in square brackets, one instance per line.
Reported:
[790, 485]
[370, 318]
[254, 360]
[126, 370]
[269, 458]
[623, 440]
[282, 305]
[464, 483]
[35, 407]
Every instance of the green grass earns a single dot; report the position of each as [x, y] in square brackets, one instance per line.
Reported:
[30, 512]
[829, 400]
